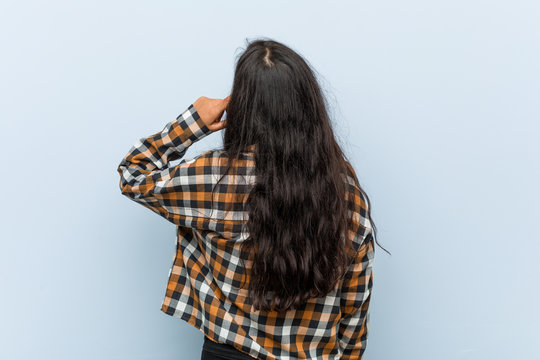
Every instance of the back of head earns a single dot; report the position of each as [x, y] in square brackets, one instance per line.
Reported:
[298, 213]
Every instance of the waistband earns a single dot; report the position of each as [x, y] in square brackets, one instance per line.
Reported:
[224, 349]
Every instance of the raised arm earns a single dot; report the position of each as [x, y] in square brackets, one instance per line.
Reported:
[175, 192]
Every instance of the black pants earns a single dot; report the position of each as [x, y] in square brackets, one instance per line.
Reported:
[214, 351]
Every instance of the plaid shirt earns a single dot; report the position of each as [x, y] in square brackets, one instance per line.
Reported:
[204, 282]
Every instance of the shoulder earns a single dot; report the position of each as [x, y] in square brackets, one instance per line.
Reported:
[213, 164]
[218, 156]
[207, 158]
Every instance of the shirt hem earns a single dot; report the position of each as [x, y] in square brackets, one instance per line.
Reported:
[193, 322]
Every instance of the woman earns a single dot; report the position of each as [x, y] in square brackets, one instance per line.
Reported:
[275, 241]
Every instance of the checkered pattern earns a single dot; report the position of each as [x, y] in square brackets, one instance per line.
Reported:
[204, 282]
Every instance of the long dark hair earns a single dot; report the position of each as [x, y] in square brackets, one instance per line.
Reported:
[297, 210]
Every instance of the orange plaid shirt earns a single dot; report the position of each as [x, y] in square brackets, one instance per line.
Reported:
[204, 282]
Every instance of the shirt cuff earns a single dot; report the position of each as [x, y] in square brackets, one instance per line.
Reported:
[192, 124]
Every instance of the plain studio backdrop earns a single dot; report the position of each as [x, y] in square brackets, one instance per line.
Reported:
[436, 103]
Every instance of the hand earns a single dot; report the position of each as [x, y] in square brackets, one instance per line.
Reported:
[211, 111]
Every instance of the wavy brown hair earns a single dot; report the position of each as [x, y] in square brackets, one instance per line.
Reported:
[297, 210]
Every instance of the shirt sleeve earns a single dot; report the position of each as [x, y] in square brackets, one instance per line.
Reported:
[147, 177]
[355, 300]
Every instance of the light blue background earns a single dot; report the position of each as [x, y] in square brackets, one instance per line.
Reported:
[435, 102]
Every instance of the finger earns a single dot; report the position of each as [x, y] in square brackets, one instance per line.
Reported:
[220, 125]
[218, 118]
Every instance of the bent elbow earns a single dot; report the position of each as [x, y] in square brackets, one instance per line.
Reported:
[124, 189]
